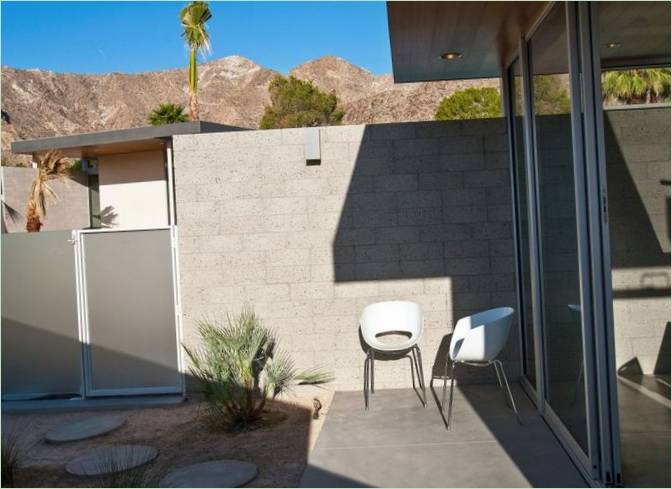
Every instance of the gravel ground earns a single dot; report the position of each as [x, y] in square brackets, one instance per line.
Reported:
[183, 436]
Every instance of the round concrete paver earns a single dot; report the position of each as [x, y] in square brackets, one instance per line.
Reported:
[82, 430]
[219, 473]
[111, 459]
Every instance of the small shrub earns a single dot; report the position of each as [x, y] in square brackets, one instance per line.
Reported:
[241, 367]
[167, 114]
[472, 103]
[11, 458]
[299, 103]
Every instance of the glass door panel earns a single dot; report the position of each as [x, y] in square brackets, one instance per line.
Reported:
[559, 252]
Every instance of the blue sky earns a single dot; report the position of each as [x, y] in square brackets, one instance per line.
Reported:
[131, 37]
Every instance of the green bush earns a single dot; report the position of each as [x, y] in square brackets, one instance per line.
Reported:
[241, 367]
[472, 103]
[167, 114]
[299, 103]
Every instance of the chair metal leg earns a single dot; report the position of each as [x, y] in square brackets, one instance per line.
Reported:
[373, 361]
[366, 381]
[450, 402]
[501, 385]
[410, 358]
[508, 389]
[445, 381]
[499, 377]
[421, 375]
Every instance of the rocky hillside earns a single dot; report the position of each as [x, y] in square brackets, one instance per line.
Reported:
[232, 90]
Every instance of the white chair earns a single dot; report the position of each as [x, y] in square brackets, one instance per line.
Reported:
[476, 341]
[386, 318]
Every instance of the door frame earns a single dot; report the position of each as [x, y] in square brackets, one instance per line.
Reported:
[88, 390]
[603, 320]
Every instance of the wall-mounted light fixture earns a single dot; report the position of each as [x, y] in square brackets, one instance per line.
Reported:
[311, 145]
[614, 44]
[451, 55]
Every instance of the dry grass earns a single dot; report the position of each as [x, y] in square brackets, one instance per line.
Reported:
[11, 457]
[183, 436]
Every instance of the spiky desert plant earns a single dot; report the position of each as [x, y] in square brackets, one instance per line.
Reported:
[50, 166]
[167, 114]
[11, 457]
[193, 18]
[240, 367]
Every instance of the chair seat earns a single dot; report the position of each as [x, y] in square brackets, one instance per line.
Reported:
[393, 347]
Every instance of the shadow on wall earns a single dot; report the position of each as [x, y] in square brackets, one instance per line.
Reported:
[428, 201]
[639, 209]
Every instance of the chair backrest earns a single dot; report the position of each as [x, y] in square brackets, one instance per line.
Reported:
[480, 338]
[390, 316]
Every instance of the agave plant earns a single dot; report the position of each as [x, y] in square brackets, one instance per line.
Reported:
[167, 114]
[50, 166]
[241, 367]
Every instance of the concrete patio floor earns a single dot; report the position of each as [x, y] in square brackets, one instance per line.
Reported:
[398, 443]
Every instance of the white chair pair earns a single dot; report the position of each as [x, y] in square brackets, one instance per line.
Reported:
[477, 341]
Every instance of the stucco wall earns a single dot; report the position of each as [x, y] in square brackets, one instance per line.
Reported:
[133, 190]
[69, 211]
[638, 172]
[417, 211]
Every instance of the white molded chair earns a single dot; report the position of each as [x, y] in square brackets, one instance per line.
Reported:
[400, 317]
[476, 341]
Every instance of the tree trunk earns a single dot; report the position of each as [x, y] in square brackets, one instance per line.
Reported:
[193, 107]
[33, 223]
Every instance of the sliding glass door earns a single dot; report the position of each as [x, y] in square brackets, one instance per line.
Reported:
[565, 341]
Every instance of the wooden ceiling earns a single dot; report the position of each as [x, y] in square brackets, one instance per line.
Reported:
[486, 33]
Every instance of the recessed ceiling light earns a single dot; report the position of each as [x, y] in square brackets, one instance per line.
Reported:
[612, 45]
[451, 55]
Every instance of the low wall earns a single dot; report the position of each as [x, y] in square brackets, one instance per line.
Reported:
[417, 211]
[69, 211]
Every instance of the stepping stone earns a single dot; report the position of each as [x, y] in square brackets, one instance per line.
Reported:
[111, 459]
[219, 473]
[87, 428]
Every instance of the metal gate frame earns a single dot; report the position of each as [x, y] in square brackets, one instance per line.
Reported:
[87, 388]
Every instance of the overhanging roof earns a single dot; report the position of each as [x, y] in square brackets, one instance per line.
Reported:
[485, 33]
[117, 141]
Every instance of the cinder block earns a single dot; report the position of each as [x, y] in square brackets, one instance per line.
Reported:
[288, 275]
[420, 216]
[421, 251]
[486, 178]
[427, 198]
[395, 183]
[312, 290]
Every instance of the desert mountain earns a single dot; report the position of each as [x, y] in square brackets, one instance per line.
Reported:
[232, 90]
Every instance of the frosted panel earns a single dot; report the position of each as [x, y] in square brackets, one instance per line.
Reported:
[40, 342]
[131, 316]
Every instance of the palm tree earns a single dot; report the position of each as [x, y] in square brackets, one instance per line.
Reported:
[50, 166]
[193, 18]
[167, 114]
[639, 85]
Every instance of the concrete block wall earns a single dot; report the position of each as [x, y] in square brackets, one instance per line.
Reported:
[70, 211]
[417, 211]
